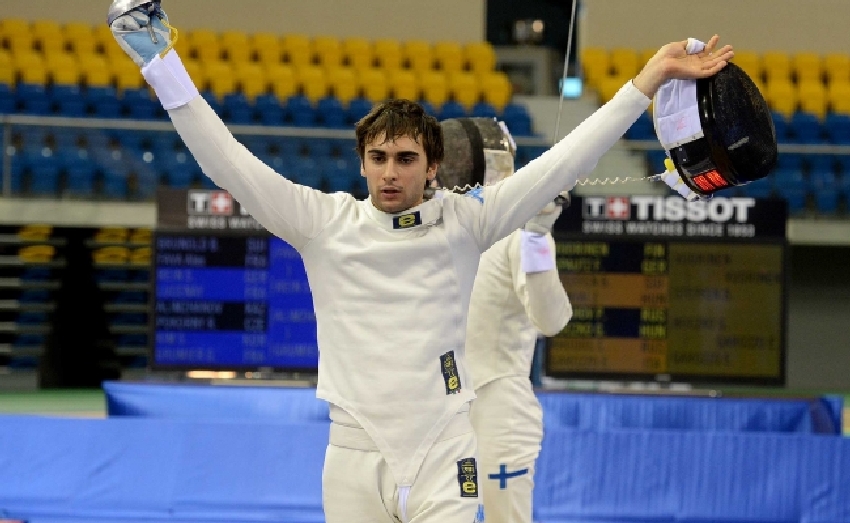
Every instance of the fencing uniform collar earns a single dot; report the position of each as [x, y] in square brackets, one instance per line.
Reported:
[425, 214]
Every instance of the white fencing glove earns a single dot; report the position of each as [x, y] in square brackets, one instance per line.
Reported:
[142, 30]
[536, 254]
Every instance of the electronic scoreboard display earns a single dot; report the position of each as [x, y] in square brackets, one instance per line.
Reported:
[667, 290]
[227, 295]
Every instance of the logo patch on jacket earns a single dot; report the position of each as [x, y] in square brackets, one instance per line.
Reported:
[476, 193]
[405, 221]
[467, 478]
[449, 367]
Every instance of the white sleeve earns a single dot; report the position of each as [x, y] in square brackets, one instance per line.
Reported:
[501, 208]
[293, 212]
[541, 293]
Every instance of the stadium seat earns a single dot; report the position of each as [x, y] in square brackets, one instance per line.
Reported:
[342, 82]
[751, 63]
[781, 95]
[265, 48]
[836, 128]
[237, 110]
[235, 47]
[642, 129]
[452, 109]
[403, 84]
[806, 128]
[838, 96]
[624, 62]
[281, 80]
[204, 45]
[138, 104]
[807, 67]
[777, 66]
[495, 88]
[357, 53]
[434, 88]
[327, 51]
[330, 113]
[417, 55]
[250, 79]
[388, 54]
[812, 97]
[33, 99]
[836, 67]
[517, 119]
[357, 109]
[448, 56]
[312, 82]
[270, 110]
[296, 50]
[301, 110]
[480, 57]
[483, 109]
[373, 85]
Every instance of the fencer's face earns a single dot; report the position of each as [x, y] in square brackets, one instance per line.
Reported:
[396, 172]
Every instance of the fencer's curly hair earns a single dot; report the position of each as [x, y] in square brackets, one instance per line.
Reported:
[397, 118]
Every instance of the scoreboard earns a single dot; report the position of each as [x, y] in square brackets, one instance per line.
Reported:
[227, 295]
[666, 290]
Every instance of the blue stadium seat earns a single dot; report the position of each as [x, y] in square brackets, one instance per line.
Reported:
[237, 110]
[7, 99]
[213, 101]
[759, 188]
[655, 161]
[819, 162]
[429, 109]
[33, 99]
[318, 148]
[139, 105]
[179, 169]
[307, 171]
[103, 102]
[452, 109]
[806, 128]
[80, 178]
[68, 101]
[115, 181]
[340, 174]
[837, 128]
[301, 111]
[780, 125]
[330, 113]
[484, 110]
[44, 177]
[642, 129]
[358, 108]
[269, 110]
[518, 120]
[789, 161]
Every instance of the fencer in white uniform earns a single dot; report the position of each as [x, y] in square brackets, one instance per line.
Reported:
[517, 296]
[391, 290]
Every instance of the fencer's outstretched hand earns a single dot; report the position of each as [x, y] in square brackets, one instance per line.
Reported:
[673, 61]
[142, 32]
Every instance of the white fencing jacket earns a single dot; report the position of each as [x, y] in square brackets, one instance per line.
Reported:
[391, 303]
[508, 309]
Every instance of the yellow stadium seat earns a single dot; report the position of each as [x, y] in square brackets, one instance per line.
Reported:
[95, 71]
[327, 51]
[296, 50]
[110, 255]
[37, 253]
[126, 75]
[251, 79]
[196, 73]
[480, 57]
[812, 97]
[838, 96]
[836, 67]
[373, 84]
[35, 232]
[388, 54]
[595, 65]
[204, 45]
[781, 96]
[111, 235]
[777, 66]
[221, 79]
[77, 30]
[53, 44]
[751, 63]
[463, 87]
[281, 80]
[10, 26]
[266, 47]
[807, 67]
[435, 88]
[108, 45]
[448, 56]
[20, 43]
[235, 46]
[45, 27]
[403, 85]
[357, 53]
[496, 89]
[30, 68]
[624, 62]
[418, 55]
[343, 83]
[609, 86]
[63, 69]
[7, 72]
[312, 82]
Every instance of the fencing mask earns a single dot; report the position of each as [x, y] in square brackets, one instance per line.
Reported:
[478, 151]
[718, 131]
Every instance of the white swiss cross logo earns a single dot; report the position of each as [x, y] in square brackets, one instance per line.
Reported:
[618, 208]
[221, 203]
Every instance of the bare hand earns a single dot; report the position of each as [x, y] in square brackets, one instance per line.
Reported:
[672, 61]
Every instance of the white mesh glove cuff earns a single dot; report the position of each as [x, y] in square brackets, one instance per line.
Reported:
[535, 253]
[676, 113]
[170, 80]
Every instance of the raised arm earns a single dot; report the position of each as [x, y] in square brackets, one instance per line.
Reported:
[512, 202]
[293, 212]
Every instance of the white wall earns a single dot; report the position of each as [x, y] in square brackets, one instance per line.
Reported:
[460, 20]
[755, 25]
